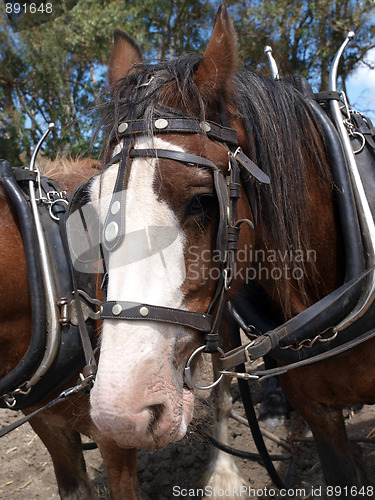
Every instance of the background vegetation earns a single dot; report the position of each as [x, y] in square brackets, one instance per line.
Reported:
[55, 71]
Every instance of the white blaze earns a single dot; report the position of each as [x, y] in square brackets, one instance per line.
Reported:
[135, 367]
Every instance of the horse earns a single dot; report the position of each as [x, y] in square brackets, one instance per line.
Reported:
[170, 180]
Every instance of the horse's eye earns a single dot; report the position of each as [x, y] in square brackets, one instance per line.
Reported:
[199, 204]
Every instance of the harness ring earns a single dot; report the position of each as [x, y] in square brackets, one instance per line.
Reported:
[188, 378]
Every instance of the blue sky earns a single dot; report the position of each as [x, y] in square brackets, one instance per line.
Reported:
[361, 88]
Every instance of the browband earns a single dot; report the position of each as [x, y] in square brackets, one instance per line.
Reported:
[179, 125]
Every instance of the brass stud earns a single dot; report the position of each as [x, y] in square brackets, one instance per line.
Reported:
[161, 123]
[115, 207]
[116, 309]
[123, 127]
[143, 311]
[206, 127]
[111, 232]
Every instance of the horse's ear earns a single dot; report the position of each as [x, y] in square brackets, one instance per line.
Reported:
[125, 53]
[219, 62]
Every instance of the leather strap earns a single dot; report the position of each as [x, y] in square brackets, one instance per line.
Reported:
[251, 415]
[270, 340]
[263, 374]
[250, 167]
[146, 312]
[327, 95]
[180, 156]
[83, 331]
[179, 125]
[219, 183]
[114, 227]
[24, 174]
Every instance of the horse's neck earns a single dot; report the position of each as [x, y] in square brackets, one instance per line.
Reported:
[321, 259]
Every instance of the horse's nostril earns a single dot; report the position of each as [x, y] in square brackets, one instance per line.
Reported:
[156, 412]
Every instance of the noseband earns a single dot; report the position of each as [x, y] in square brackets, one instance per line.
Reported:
[227, 189]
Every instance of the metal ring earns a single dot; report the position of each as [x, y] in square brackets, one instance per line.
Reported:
[9, 400]
[188, 378]
[51, 205]
[363, 142]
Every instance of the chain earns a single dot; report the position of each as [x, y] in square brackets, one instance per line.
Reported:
[350, 127]
[52, 198]
[10, 398]
[308, 343]
[84, 383]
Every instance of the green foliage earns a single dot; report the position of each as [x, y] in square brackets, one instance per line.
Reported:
[305, 36]
[55, 71]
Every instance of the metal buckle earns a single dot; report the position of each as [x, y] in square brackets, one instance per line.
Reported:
[246, 350]
[245, 376]
[228, 278]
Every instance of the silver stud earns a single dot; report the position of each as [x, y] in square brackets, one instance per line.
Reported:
[161, 123]
[206, 127]
[115, 207]
[143, 311]
[116, 309]
[123, 127]
[111, 232]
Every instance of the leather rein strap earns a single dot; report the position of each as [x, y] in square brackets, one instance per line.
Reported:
[227, 188]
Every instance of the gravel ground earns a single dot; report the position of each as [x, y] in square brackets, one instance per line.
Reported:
[26, 470]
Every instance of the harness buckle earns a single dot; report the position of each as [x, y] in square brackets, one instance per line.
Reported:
[246, 350]
[245, 376]
[228, 278]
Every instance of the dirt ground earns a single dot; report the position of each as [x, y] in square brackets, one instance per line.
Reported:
[26, 471]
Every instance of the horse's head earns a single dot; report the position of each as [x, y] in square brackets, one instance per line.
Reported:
[165, 232]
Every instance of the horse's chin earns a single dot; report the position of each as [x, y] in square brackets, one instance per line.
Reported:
[186, 412]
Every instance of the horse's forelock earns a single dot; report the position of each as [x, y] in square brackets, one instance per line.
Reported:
[149, 86]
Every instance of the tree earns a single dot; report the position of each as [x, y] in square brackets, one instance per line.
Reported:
[305, 36]
[54, 72]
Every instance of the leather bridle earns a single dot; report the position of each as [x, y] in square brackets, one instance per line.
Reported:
[228, 191]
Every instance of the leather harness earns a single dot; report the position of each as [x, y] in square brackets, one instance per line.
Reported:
[227, 189]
